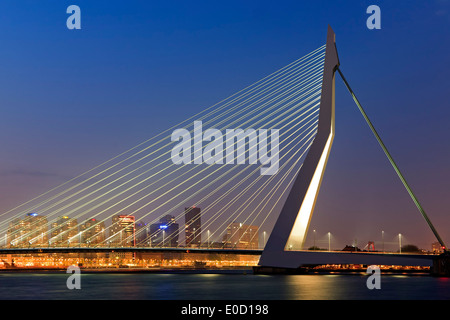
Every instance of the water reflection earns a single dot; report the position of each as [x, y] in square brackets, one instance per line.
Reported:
[222, 286]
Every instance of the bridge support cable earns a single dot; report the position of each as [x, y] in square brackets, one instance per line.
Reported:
[243, 92]
[394, 165]
[309, 110]
[290, 111]
[287, 100]
[242, 195]
[286, 85]
[309, 78]
[270, 195]
[283, 77]
[287, 115]
[309, 131]
[245, 206]
[284, 116]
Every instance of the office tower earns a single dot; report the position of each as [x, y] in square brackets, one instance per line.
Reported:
[123, 230]
[64, 231]
[193, 226]
[241, 236]
[92, 232]
[142, 232]
[15, 232]
[30, 231]
[164, 233]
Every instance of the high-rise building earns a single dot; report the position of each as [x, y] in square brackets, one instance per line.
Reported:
[193, 226]
[64, 231]
[241, 236]
[142, 231]
[30, 231]
[15, 232]
[92, 232]
[123, 231]
[164, 233]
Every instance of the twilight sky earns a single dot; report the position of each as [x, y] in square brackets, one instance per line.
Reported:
[71, 99]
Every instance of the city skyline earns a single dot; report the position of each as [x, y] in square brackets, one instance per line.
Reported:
[65, 232]
[36, 230]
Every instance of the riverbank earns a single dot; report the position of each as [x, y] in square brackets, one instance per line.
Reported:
[240, 270]
[207, 270]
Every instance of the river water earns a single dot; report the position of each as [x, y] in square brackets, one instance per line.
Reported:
[220, 286]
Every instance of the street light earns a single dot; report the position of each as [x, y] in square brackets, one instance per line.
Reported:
[382, 239]
[164, 235]
[314, 246]
[329, 241]
[264, 239]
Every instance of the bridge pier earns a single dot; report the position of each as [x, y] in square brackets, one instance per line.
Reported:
[441, 265]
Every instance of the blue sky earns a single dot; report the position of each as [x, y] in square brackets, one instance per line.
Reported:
[71, 99]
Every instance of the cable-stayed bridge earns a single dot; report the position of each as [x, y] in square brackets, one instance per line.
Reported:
[242, 176]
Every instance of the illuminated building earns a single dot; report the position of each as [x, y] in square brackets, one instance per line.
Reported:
[92, 232]
[193, 226]
[15, 232]
[64, 231]
[123, 231]
[437, 247]
[241, 236]
[32, 230]
[164, 233]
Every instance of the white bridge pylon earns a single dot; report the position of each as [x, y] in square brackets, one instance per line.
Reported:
[289, 232]
[284, 247]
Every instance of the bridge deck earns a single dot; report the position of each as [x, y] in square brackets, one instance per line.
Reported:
[302, 257]
[37, 250]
